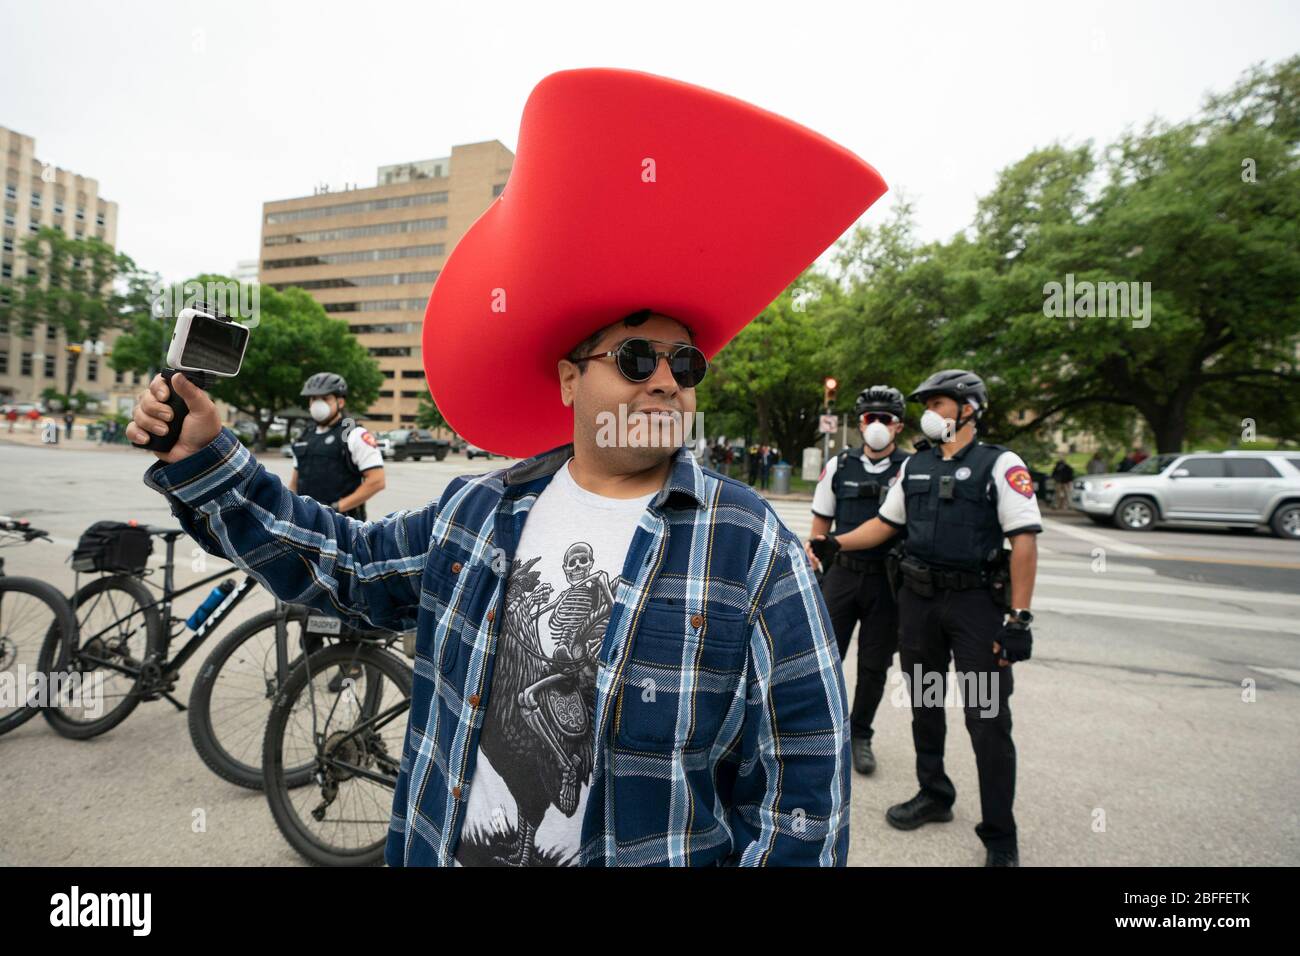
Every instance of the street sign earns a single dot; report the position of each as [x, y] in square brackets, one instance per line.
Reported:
[829, 424]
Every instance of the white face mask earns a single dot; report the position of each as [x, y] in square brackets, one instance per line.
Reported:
[320, 410]
[877, 436]
[936, 427]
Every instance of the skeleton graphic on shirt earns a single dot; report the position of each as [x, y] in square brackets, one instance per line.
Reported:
[578, 616]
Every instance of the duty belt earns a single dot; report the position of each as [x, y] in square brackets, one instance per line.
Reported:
[860, 564]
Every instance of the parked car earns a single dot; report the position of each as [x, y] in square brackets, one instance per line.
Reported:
[385, 445]
[1241, 489]
[473, 451]
[417, 443]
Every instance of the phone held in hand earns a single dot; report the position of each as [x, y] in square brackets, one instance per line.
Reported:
[207, 343]
[205, 346]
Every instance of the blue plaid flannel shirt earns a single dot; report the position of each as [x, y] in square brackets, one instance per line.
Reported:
[740, 756]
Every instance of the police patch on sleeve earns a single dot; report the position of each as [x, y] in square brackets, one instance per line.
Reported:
[369, 439]
[1019, 480]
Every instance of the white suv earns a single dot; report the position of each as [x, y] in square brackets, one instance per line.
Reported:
[1236, 488]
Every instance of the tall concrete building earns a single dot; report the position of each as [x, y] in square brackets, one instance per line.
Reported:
[40, 194]
[371, 256]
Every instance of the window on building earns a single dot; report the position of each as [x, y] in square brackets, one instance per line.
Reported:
[11, 191]
[26, 366]
[386, 393]
[8, 244]
[99, 220]
[49, 366]
[9, 219]
[92, 368]
[33, 227]
[117, 378]
[6, 270]
[51, 332]
[496, 190]
[408, 418]
[58, 207]
[36, 200]
[4, 363]
[81, 214]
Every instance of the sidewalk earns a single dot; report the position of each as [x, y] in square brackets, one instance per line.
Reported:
[22, 435]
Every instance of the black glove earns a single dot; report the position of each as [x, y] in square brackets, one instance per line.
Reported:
[825, 550]
[1015, 641]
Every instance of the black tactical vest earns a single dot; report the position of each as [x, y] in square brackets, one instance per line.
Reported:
[860, 493]
[326, 471]
[952, 507]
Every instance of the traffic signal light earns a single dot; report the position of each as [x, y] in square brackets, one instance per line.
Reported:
[828, 395]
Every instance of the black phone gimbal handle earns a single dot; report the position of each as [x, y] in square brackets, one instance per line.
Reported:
[165, 443]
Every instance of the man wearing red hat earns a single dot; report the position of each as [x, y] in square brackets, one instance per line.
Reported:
[621, 657]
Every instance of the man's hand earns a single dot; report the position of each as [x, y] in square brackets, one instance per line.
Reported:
[152, 414]
[823, 548]
[1013, 644]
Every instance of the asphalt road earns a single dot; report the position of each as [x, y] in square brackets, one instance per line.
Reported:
[1135, 745]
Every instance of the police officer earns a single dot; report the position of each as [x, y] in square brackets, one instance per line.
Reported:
[962, 597]
[856, 587]
[339, 463]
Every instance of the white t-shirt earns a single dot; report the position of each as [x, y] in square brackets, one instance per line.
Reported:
[362, 447]
[823, 503]
[1017, 505]
[563, 583]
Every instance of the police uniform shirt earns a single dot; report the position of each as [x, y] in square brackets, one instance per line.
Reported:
[362, 448]
[823, 503]
[1017, 506]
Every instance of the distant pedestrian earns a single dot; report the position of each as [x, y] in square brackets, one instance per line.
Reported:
[11, 416]
[1062, 477]
[1096, 464]
[68, 419]
[764, 465]
[33, 416]
[753, 464]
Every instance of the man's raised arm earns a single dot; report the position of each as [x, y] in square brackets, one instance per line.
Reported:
[302, 551]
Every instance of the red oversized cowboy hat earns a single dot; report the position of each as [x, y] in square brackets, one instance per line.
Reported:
[629, 191]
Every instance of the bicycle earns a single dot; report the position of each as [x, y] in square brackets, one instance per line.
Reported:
[30, 611]
[337, 812]
[123, 631]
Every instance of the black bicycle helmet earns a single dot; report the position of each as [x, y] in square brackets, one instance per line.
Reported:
[879, 398]
[324, 383]
[957, 384]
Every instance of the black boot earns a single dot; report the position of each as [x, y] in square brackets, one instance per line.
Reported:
[864, 761]
[1002, 858]
[921, 809]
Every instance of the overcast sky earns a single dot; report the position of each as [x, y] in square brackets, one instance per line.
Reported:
[191, 114]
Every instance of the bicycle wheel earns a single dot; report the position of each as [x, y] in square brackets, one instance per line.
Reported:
[31, 613]
[118, 630]
[354, 738]
[231, 697]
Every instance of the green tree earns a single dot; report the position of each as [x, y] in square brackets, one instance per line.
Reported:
[79, 286]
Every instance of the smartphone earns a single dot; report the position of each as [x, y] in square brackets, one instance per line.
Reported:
[204, 342]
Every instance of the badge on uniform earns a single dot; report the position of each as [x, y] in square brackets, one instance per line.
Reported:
[329, 439]
[1019, 480]
[962, 473]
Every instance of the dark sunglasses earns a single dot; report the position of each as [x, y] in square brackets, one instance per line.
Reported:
[885, 418]
[637, 359]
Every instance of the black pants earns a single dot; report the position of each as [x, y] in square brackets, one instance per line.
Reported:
[860, 597]
[961, 625]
